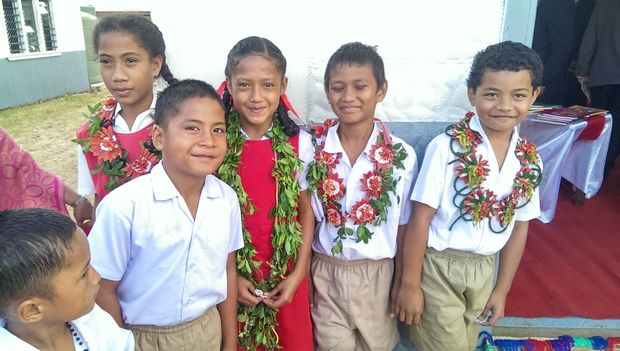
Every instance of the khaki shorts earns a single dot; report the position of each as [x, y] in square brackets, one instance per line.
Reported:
[202, 333]
[456, 286]
[351, 304]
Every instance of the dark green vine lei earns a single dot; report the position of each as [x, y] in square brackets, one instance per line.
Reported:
[259, 322]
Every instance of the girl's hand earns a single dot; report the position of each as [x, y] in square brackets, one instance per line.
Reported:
[83, 214]
[246, 292]
[494, 309]
[285, 291]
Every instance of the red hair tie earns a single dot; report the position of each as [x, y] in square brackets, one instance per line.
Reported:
[220, 90]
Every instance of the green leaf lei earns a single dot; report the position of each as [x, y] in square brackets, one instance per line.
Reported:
[478, 203]
[376, 185]
[259, 322]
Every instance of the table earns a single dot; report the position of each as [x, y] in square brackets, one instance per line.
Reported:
[580, 162]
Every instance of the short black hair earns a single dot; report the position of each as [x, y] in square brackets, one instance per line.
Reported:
[505, 56]
[356, 54]
[169, 101]
[34, 243]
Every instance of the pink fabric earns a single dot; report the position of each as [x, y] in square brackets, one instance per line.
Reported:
[23, 182]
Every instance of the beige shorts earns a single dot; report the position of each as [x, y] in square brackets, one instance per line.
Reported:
[456, 286]
[351, 304]
[202, 333]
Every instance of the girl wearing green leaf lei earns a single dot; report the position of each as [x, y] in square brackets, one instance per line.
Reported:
[263, 166]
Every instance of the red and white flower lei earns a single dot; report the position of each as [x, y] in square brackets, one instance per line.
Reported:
[478, 203]
[376, 185]
[103, 144]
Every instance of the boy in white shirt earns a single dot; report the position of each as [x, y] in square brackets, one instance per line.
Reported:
[166, 241]
[362, 177]
[47, 297]
[476, 191]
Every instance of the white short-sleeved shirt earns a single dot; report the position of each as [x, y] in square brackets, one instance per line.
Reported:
[306, 155]
[383, 241]
[86, 186]
[434, 188]
[99, 331]
[171, 267]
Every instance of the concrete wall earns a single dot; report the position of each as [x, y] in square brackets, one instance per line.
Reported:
[427, 46]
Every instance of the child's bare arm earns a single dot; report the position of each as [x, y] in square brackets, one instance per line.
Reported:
[410, 299]
[228, 307]
[509, 259]
[108, 300]
[398, 265]
[284, 292]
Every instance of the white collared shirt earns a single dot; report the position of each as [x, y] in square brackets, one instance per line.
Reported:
[86, 186]
[99, 330]
[306, 154]
[434, 188]
[170, 267]
[383, 242]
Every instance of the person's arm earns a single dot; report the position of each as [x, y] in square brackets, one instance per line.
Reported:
[82, 208]
[108, 300]
[409, 303]
[509, 259]
[588, 46]
[283, 293]
[398, 266]
[228, 307]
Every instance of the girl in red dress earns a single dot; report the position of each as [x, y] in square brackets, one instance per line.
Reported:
[265, 164]
[115, 144]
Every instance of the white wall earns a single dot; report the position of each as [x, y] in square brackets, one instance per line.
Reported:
[68, 23]
[427, 46]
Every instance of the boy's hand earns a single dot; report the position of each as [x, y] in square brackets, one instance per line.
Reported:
[409, 305]
[284, 292]
[495, 307]
[246, 292]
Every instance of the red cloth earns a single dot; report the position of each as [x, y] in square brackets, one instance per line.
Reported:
[23, 182]
[257, 161]
[130, 142]
[594, 128]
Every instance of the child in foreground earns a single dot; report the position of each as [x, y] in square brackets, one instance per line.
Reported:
[47, 299]
[475, 194]
[363, 177]
[166, 241]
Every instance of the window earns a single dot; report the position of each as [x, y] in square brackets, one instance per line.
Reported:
[29, 26]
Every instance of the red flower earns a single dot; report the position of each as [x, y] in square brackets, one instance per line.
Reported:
[372, 184]
[362, 212]
[319, 131]
[472, 170]
[334, 216]
[141, 165]
[331, 187]
[328, 159]
[104, 145]
[382, 156]
[106, 111]
[526, 152]
[480, 204]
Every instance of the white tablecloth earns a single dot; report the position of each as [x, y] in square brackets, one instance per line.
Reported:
[580, 162]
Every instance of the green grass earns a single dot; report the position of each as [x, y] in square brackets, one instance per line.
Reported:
[46, 128]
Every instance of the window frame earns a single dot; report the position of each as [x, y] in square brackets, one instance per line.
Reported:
[40, 31]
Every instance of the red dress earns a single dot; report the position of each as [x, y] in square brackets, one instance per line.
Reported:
[257, 160]
[131, 142]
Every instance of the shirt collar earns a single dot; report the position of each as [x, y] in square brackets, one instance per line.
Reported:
[118, 118]
[164, 188]
[333, 145]
[475, 125]
[247, 137]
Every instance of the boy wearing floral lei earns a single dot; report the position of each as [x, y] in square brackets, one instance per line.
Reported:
[476, 192]
[361, 177]
[115, 144]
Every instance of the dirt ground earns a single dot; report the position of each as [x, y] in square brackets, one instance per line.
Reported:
[46, 128]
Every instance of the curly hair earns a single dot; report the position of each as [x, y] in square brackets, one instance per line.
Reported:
[505, 56]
